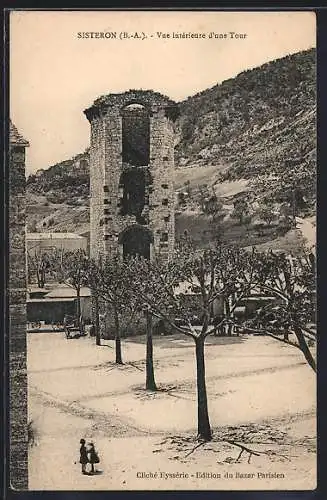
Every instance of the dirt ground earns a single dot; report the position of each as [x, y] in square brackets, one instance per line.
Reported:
[261, 397]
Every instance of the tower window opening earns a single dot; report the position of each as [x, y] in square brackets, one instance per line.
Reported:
[134, 193]
[135, 135]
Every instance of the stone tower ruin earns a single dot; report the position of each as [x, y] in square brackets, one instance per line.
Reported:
[132, 174]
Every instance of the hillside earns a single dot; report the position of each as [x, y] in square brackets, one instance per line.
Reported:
[260, 123]
[254, 133]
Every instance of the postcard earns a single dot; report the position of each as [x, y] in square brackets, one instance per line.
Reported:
[162, 250]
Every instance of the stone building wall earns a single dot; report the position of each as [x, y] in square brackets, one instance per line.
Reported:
[106, 166]
[17, 313]
[96, 186]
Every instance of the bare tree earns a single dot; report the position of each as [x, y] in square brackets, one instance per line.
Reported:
[110, 281]
[210, 274]
[73, 268]
[292, 281]
[39, 264]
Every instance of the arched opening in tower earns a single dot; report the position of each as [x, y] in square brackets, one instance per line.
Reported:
[135, 158]
[136, 241]
[135, 135]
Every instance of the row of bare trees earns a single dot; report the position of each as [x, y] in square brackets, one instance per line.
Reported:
[160, 290]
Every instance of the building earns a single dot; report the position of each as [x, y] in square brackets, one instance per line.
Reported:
[44, 242]
[17, 311]
[52, 306]
[132, 174]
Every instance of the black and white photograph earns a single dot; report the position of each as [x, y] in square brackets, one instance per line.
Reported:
[162, 250]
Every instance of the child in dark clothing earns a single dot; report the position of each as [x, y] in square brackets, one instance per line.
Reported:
[83, 456]
[92, 456]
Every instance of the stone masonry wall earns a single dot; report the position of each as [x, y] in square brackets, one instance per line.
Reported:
[161, 201]
[96, 186]
[106, 167]
[17, 321]
[113, 162]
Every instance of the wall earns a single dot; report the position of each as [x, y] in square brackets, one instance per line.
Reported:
[17, 318]
[50, 312]
[68, 244]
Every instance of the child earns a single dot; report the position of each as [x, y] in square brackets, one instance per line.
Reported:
[93, 457]
[83, 456]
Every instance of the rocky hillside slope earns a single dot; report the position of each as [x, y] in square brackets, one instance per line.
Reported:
[258, 126]
[255, 131]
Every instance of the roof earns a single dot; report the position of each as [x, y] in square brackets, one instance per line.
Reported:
[140, 96]
[68, 292]
[36, 289]
[15, 137]
[53, 236]
[48, 301]
[258, 297]
[146, 98]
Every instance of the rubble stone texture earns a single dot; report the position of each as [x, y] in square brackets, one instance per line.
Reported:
[113, 226]
[17, 312]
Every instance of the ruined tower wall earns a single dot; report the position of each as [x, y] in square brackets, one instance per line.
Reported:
[106, 167]
[161, 201]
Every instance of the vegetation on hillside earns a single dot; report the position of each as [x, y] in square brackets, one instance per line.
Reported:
[64, 182]
[259, 126]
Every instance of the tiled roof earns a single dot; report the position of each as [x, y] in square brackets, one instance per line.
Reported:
[15, 137]
[53, 236]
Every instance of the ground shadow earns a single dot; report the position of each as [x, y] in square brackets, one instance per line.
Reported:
[180, 340]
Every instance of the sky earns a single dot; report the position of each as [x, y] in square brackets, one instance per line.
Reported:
[55, 75]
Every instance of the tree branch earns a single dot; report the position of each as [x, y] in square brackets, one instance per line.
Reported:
[195, 447]
[244, 448]
[289, 342]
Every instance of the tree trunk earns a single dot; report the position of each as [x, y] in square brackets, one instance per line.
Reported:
[228, 314]
[204, 430]
[119, 360]
[150, 383]
[40, 279]
[97, 323]
[78, 305]
[304, 348]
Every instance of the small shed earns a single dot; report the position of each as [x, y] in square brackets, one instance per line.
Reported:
[49, 310]
[68, 293]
